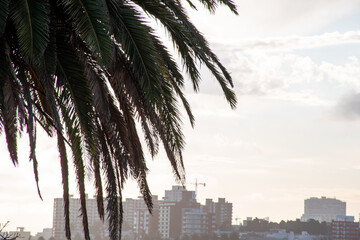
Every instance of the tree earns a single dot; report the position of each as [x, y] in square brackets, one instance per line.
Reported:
[6, 235]
[87, 71]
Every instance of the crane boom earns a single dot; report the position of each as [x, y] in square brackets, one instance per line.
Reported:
[196, 186]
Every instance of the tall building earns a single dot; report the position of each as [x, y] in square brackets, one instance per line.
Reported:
[137, 216]
[196, 221]
[222, 210]
[76, 225]
[323, 209]
[176, 194]
[344, 228]
[181, 215]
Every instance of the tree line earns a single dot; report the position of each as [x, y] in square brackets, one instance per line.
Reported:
[312, 226]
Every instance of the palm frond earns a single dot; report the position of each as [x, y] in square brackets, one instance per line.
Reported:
[91, 20]
[90, 71]
[10, 91]
[67, 70]
[132, 34]
[31, 129]
[65, 181]
[31, 18]
[4, 11]
[111, 189]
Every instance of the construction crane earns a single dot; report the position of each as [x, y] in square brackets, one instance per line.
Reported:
[196, 186]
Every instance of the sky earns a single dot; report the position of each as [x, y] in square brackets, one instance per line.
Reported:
[295, 132]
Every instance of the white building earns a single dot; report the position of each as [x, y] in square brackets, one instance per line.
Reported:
[164, 219]
[76, 225]
[323, 209]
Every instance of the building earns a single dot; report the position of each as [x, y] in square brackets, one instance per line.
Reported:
[137, 216]
[344, 228]
[223, 212]
[323, 209]
[176, 194]
[21, 233]
[179, 214]
[167, 210]
[196, 221]
[96, 226]
[46, 234]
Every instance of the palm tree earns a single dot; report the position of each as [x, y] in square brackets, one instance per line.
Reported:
[86, 71]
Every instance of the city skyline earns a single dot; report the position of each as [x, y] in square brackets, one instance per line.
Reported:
[294, 135]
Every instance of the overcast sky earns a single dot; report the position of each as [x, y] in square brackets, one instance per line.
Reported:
[295, 133]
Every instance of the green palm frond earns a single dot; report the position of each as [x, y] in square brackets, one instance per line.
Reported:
[70, 70]
[132, 34]
[91, 20]
[31, 18]
[4, 12]
[89, 71]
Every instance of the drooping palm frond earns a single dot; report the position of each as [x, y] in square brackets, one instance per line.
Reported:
[4, 11]
[31, 19]
[88, 71]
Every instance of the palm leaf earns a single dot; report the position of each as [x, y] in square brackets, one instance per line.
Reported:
[4, 11]
[132, 33]
[91, 20]
[69, 68]
[65, 181]
[31, 18]
[9, 104]
[111, 188]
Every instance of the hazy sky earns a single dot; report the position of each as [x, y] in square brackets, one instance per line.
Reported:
[295, 132]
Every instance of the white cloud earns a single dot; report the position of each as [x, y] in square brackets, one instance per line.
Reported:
[262, 18]
[289, 43]
[274, 71]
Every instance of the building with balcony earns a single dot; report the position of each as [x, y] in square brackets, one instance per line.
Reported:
[344, 228]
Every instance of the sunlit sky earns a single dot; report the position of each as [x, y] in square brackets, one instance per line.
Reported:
[294, 134]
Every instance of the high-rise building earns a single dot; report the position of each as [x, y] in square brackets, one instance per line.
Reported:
[222, 210]
[181, 215]
[196, 221]
[323, 209]
[137, 216]
[177, 215]
[76, 224]
[176, 194]
[344, 228]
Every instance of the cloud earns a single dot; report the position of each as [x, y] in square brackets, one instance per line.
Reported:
[269, 68]
[262, 18]
[348, 106]
[295, 42]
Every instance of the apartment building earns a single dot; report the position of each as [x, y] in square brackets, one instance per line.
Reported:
[177, 215]
[76, 224]
[344, 228]
[222, 210]
[323, 209]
